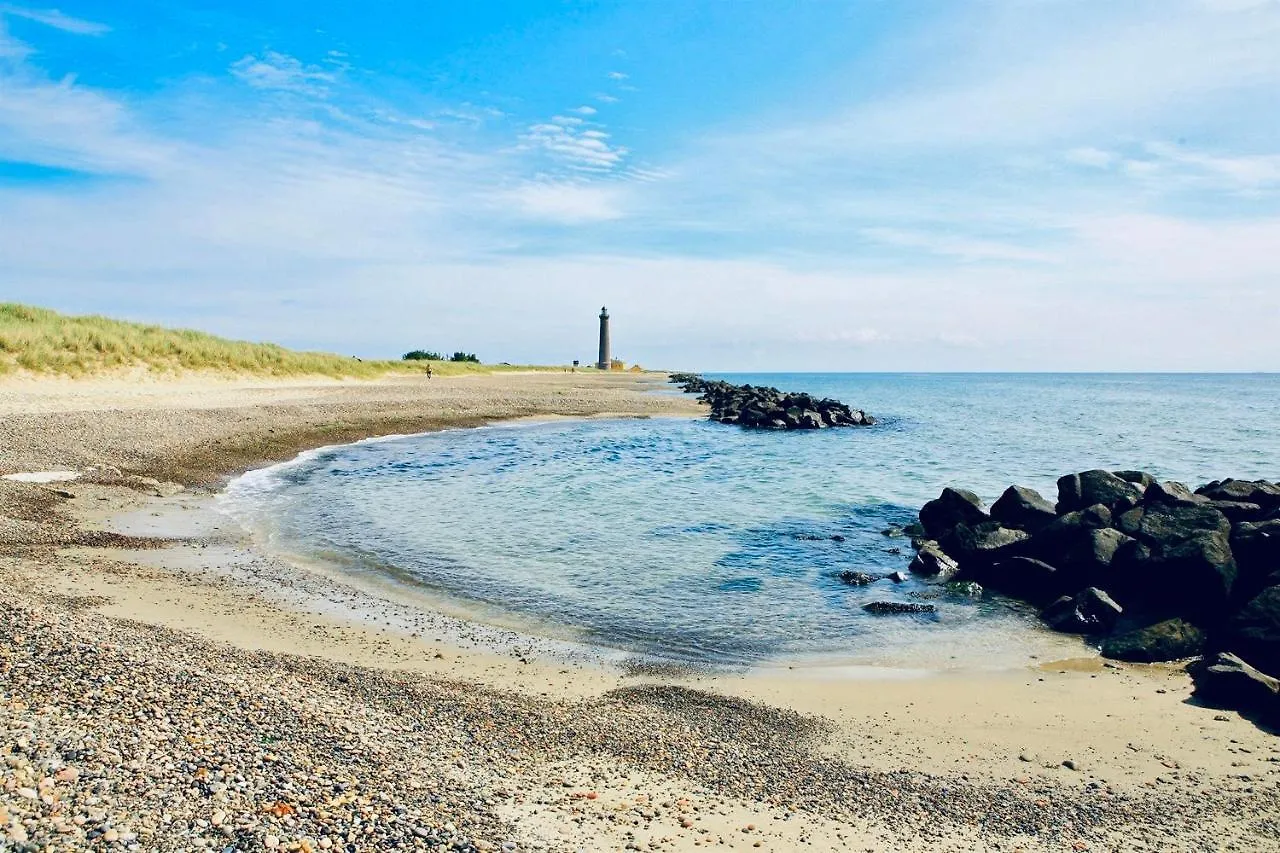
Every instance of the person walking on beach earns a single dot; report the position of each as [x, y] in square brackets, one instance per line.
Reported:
[428, 371]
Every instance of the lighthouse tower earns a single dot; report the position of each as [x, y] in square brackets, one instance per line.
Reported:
[603, 363]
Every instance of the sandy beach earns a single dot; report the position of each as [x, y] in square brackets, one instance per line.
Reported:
[166, 684]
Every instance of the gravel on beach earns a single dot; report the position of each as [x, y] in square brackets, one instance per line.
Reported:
[122, 735]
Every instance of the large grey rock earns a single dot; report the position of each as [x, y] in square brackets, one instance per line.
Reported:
[1172, 639]
[931, 561]
[1090, 518]
[1077, 491]
[1024, 578]
[1226, 680]
[1163, 526]
[1171, 492]
[1090, 611]
[1238, 511]
[1141, 479]
[1254, 631]
[954, 506]
[982, 543]
[1021, 508]
[1129, 523]
[1259, 492]
[1256, 545]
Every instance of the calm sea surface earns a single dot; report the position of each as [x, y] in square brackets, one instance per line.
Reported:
[688, 540]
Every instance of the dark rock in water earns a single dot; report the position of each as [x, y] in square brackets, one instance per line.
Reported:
[1188, 568]
[1024, 578]
[1172, 493]
[1172, 639]
[1254, 631]
[1238, 511]
[1093, 517]
[1141, 479]
[898, 577]
[932, 562]
[984, 542]
[857, 578]
[893, 532]
[1021, 508]
[1225, 680]
[1077, 491]
[1256, 545]
[954, 506]
[1091, 611]
[1129, 523]
[1261, 492]
[889, 607]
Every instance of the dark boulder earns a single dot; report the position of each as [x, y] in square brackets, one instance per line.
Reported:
[1261, 492]
[1171, 492]
[1254, 632]
[852, 578]
[932, 561]
[1141, 479]
[1172, 639]
[1256, 545]
[1163, 526]
[1091, 611]
[1225, 680]
[1077, 491]
[1187, 568]
[1081, 551]
[890, 607]
[952, 507]
[1093, 517]
[1021, 508]
[1238, 511]
[1024, 578]
[1129, 523]
[981, 543]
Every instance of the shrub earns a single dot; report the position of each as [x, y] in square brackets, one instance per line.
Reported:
[422, 355]
[465, 356]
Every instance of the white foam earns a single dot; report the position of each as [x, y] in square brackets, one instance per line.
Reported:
[42, 476]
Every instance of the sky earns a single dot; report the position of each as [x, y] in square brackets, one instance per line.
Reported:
[751, 185]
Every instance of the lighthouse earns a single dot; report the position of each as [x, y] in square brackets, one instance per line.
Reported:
[603, 363]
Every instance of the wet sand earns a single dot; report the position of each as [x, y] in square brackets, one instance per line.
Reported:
[485, 738]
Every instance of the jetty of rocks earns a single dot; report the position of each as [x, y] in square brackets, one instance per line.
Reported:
[762, 407]
[1154, 571]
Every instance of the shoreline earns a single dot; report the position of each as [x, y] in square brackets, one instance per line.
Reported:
[993, 743]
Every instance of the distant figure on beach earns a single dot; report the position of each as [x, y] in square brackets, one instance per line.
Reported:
[428, 371]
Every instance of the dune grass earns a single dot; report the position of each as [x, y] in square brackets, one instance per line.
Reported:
[41, 341]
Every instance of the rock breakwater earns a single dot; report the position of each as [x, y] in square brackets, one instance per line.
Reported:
[763, 407]
[1153, 570]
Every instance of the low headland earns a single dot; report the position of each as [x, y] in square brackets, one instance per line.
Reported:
[168, 684]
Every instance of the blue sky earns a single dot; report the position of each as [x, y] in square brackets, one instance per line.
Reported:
[870, 185]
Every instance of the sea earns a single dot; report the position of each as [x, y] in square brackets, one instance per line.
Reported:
[685, 541]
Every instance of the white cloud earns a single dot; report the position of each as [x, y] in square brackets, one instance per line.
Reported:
[617, 75]
[585, 110]
[57, 20]
[606, 99]
[283, 73]
[966, 249]
[567, 202]
[1094, 157]
[586, 151]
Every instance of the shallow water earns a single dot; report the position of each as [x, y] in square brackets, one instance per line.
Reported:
[694, 541]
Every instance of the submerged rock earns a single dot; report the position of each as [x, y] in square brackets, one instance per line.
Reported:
[889, 607]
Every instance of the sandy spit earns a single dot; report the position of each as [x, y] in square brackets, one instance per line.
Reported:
[166, 686]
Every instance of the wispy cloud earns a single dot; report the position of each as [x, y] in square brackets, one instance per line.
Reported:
[585, 110]
[56, 19]
[617, 75]
[283, 73]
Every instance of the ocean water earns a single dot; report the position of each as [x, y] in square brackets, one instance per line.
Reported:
[685, 540]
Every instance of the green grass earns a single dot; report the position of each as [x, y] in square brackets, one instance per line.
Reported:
[41, 341]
